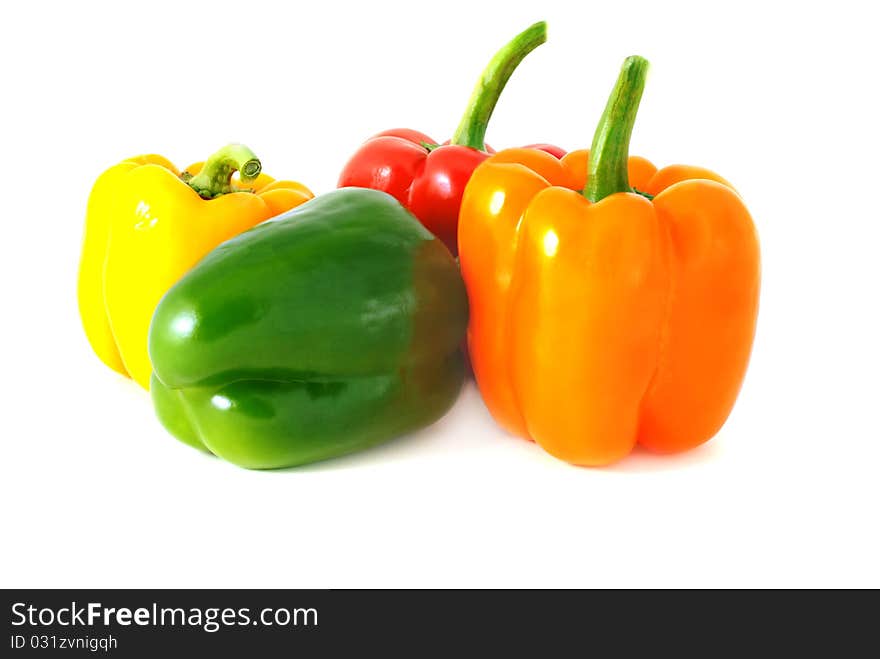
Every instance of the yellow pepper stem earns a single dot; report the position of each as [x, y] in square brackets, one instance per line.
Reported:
[215, 179]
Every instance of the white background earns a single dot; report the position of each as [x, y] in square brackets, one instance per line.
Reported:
[780, 98]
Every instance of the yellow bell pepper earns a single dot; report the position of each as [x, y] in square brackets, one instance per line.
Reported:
[147, 224]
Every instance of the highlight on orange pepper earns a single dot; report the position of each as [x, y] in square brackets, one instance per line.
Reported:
[610, 303]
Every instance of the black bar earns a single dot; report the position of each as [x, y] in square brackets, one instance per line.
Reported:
[342, 623]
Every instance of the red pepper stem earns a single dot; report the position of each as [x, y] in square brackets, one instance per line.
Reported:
[609, 154]
[472, 129]
[215, 179]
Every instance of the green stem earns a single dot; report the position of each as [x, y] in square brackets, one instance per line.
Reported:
[472, 129]
[215, 179]
[609, 154]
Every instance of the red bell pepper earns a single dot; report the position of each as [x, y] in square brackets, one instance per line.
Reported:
[429, 178]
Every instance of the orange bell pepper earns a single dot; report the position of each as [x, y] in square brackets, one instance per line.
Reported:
[611, 303]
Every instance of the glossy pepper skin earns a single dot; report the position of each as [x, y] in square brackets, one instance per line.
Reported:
[326, 330]
[602, 317]
[146, 225]
[429, 178]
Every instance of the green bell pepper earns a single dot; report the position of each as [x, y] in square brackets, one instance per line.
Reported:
[328, 329]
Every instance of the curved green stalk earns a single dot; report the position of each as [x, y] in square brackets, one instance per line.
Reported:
[472, 129]
[609, 154]
[215, 179]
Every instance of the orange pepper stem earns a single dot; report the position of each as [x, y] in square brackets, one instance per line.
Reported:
[215, 179]
[610, 151]
[472, 129]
